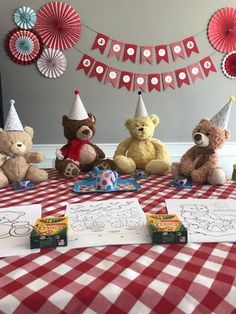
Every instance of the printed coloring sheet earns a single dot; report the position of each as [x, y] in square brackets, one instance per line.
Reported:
[16, 224]
[115, 221]
[207, 220]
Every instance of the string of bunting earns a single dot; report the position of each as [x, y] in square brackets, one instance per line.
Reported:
[154, 81]
[126, 51]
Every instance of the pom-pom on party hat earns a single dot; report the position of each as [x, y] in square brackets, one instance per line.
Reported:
[221, 119]
[13, 122]
[141, 110]
[78, 111]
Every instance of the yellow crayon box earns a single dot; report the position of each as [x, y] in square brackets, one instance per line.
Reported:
[166, 228]
[49, 232]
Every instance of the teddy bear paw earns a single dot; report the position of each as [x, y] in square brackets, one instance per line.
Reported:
[124, 164]
[71, 170]
[158, 167]
[217, 177]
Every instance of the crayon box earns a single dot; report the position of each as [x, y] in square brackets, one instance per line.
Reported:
[49, 232]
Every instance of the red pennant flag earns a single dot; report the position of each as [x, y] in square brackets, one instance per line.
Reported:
[195, 71]
[190, 45]
[182, 77]
[85, 63]
[130, 52]
[140, 81]
[126, 79]
[154, 82]
[162, 53]
[177, 50]
[146, 54]
[98, 70]
[100, 42]
[116, 49]
[207, 65]
[112, 76]
[168, 80]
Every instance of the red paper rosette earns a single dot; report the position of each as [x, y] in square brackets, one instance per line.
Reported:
[222, 30]
[229, 65]
[23, 46]
[59, 25]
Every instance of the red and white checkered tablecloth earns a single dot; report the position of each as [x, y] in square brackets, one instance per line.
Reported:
[191, 278]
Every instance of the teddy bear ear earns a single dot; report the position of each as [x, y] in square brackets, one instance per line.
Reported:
[64, 120]
[155, 119]
[204, 120]
[29, 130]
[128, 123]
[92, 117]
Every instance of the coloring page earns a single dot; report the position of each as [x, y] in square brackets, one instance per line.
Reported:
[115, 221]
[207, 220]
[16, 224]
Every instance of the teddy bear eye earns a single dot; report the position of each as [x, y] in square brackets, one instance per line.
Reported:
[207, 134]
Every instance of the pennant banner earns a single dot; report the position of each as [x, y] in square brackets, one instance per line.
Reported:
[140, 81]
[146, 54]
[143, 81]
[86, 64]
[116, 49]
[190, 45]
[162, 53]
[99, 70]
[126, 79]
[182, 77]
[130, 52]
[100, 42]
[154, 82]
[177, 50]
[207, 65]
[112, 76]
[195, 71]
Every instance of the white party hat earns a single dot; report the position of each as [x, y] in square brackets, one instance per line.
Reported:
[221, 119]
[13, 122]
[141, 111]
[78, 112]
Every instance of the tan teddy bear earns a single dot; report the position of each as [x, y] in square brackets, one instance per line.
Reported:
[200, 163]
[15, 153]
[141, 150]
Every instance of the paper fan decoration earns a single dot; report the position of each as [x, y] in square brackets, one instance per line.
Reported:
[52, 63]
[222, 30]
[229, 65]
[59, 25]
[23, 46]
[25, 17]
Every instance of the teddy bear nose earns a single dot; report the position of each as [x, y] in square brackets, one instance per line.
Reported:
[197, 137]
[19, 145]
[140, 129]
[86, 132]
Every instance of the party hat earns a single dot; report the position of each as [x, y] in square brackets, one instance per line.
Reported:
[141, 111]
[13, 122]
[221, 119]
[78, 112]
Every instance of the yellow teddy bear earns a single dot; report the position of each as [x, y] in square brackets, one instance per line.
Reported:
[141, 150]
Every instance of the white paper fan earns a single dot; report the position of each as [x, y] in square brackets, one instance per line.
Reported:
[52, 63]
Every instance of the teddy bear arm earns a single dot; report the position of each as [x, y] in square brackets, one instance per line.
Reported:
[34, 157]
[100, 153]
[123, 147]
[186, 165]
[161, 150]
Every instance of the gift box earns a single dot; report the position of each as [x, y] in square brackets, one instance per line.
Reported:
[166, 228]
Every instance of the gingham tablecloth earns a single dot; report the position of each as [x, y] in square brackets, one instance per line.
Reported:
[191, 278]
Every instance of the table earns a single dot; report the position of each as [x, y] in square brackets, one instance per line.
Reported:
[191, 278]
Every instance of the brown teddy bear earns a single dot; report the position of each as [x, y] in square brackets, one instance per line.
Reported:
[15, 153]
[200, 162]
[79, 154]
[141, 150]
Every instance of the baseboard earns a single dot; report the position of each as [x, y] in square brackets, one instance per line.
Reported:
[227, 155]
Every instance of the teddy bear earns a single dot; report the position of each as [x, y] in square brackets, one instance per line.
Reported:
[200, 163]
[79, 154]
[141, 150]
[16, 158]
[15, 152]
